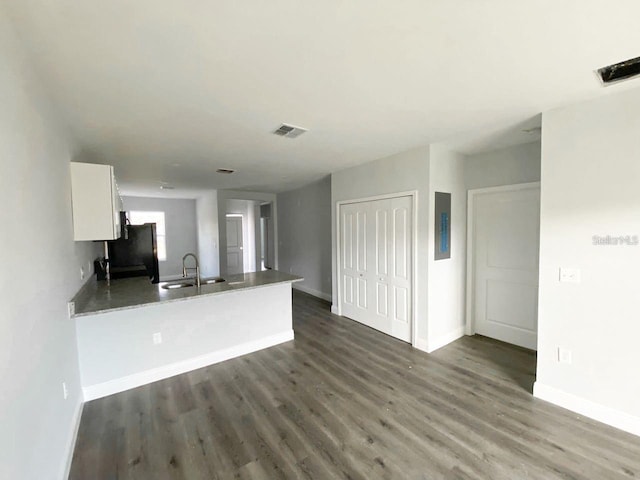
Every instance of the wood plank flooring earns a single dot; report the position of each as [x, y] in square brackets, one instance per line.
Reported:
[343, 401]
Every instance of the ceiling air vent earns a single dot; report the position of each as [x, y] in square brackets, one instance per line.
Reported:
[226, 171]
[289, 131]
[620, 71]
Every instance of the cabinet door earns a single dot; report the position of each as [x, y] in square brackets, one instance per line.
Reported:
[95, 202]
[116, 205]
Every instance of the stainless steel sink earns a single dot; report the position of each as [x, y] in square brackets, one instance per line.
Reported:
[192, 283]
[173, 286]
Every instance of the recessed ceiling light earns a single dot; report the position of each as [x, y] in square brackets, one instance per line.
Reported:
[226, 171]
[166, 187]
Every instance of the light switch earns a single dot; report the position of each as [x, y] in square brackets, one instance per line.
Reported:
[569, 275]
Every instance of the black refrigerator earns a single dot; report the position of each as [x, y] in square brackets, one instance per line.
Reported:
[135, 253]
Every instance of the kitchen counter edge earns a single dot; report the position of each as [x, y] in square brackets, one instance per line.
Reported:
[97, 297]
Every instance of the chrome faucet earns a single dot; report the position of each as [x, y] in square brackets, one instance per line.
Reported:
[197, 268]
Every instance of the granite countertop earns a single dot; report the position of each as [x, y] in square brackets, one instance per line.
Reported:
[99, 297]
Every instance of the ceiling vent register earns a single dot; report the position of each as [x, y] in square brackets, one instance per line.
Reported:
[620, 71]
[289, 131]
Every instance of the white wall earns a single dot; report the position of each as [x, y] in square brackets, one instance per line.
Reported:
[207, 228]
[407, 171]
[305, 236]
[40, 273]
[223, 196]
[446, 293]
[181, 228]
[507, 166]
[591, 186]
[116, 350]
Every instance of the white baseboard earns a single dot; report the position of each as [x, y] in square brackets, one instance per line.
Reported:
[91, 392]
[421, 345]
[71, 444]
[334, 310]
[590, 409]
[442, 340]
[311, 291]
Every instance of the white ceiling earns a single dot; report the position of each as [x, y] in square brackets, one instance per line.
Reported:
[170, 90]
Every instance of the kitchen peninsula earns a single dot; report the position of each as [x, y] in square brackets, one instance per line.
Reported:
[132, 332]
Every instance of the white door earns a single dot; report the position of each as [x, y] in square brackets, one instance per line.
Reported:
[376, 264]
[506, 233]
[234, 245]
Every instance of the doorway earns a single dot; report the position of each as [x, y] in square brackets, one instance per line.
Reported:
[375, 263]
[265, 251]
[235, 244]
[249, 244]
[503, 229]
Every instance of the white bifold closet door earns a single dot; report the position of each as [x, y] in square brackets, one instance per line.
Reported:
[376, 264]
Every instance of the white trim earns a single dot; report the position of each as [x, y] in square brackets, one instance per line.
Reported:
[312, 291]
[469, 328]
[590, 409]
[421, 344]
[414, 248]
[442, 340]
[77, 416]
[414, 272]
[110, 387]
[409, 193]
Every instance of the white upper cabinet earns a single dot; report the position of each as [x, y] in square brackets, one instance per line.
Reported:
[96, 202]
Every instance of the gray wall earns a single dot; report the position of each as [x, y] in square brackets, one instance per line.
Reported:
[446, 292]
[181, 228]
[590, 186]
[305, 236]
[40, 273]
[507, 166]
[406, 171]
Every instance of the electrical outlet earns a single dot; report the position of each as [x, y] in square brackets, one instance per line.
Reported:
[81, 273]
[65, 392]
[564, 356]
[71, 307]
[157, 338]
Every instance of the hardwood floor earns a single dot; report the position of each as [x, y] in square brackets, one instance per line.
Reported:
[344, 401]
